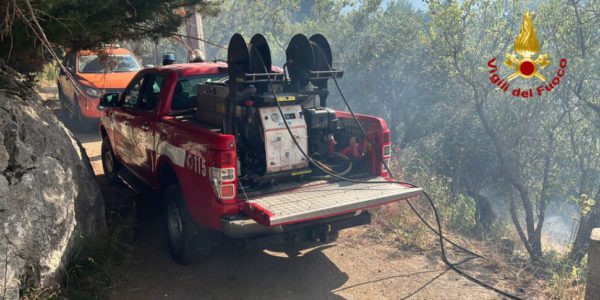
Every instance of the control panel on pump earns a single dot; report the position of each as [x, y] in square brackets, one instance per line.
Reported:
[280, 150]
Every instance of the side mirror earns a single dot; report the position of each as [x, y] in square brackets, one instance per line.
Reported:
[108, 100]
[149, 66]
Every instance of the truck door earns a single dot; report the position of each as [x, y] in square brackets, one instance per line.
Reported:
[143, 124]
[122, 118]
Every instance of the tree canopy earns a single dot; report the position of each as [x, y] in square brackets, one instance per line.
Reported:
[81, 24]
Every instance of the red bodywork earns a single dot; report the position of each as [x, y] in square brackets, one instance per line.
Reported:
[148, 143]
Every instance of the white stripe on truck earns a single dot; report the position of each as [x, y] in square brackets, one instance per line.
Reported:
[174, 153]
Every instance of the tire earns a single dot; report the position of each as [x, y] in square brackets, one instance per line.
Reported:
[188, 242]
[110, 164]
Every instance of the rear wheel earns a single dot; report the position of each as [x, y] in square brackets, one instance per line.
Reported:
[110, 164]
[188, 242]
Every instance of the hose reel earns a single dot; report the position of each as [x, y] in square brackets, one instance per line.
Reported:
[244, 59]
[308, 60]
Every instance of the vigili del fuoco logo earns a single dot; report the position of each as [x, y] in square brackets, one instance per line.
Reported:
[527, 63]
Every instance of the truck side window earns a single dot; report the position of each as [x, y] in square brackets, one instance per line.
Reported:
[184, 96]
[151, 90]
[132, 93]
[181, 95]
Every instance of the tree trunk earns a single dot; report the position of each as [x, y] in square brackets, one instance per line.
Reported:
[533, 240]
[518, 228]
[582, 238]
[485, 215]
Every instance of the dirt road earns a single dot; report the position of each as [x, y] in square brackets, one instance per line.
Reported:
[357, 266]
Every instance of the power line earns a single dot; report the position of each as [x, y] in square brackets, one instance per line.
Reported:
[200, 39]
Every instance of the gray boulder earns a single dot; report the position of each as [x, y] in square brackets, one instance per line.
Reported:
[48, 195]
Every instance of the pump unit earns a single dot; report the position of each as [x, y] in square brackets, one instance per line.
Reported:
[256, 102]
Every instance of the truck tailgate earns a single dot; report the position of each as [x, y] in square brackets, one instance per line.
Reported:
[314, 201]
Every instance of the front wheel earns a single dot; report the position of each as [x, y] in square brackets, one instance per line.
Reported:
[188, 242]
[110, 164]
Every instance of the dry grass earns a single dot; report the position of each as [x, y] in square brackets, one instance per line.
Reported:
[91, 269]
[396, 224]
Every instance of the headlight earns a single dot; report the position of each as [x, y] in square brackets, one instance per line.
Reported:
[92, 92]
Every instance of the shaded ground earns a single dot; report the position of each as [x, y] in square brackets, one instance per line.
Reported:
[357, 266]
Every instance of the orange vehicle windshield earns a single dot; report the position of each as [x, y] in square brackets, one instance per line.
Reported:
[93, 63]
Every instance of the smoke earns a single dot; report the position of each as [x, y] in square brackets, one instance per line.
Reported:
[560, 223]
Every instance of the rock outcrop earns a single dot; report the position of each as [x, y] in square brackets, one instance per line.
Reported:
[48, 195]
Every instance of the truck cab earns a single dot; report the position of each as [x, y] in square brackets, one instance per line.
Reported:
[242, 158]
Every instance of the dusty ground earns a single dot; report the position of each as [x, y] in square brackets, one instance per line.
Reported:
[357, 266]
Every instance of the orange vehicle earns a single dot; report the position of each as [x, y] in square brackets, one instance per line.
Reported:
[95, 73]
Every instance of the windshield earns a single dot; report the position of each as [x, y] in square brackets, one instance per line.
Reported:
[108, 64]
[186, 89]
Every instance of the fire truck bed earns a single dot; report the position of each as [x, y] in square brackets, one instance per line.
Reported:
[327, 199]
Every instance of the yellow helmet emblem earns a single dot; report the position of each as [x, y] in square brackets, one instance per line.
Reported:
[527, 46]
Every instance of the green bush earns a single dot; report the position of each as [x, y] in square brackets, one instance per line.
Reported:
[48, 73]
[457, 211]
[567, 281]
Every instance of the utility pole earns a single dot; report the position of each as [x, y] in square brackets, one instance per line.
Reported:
[194, 30]
[156, 62]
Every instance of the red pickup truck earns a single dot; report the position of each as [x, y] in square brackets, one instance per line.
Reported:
[213, 183]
